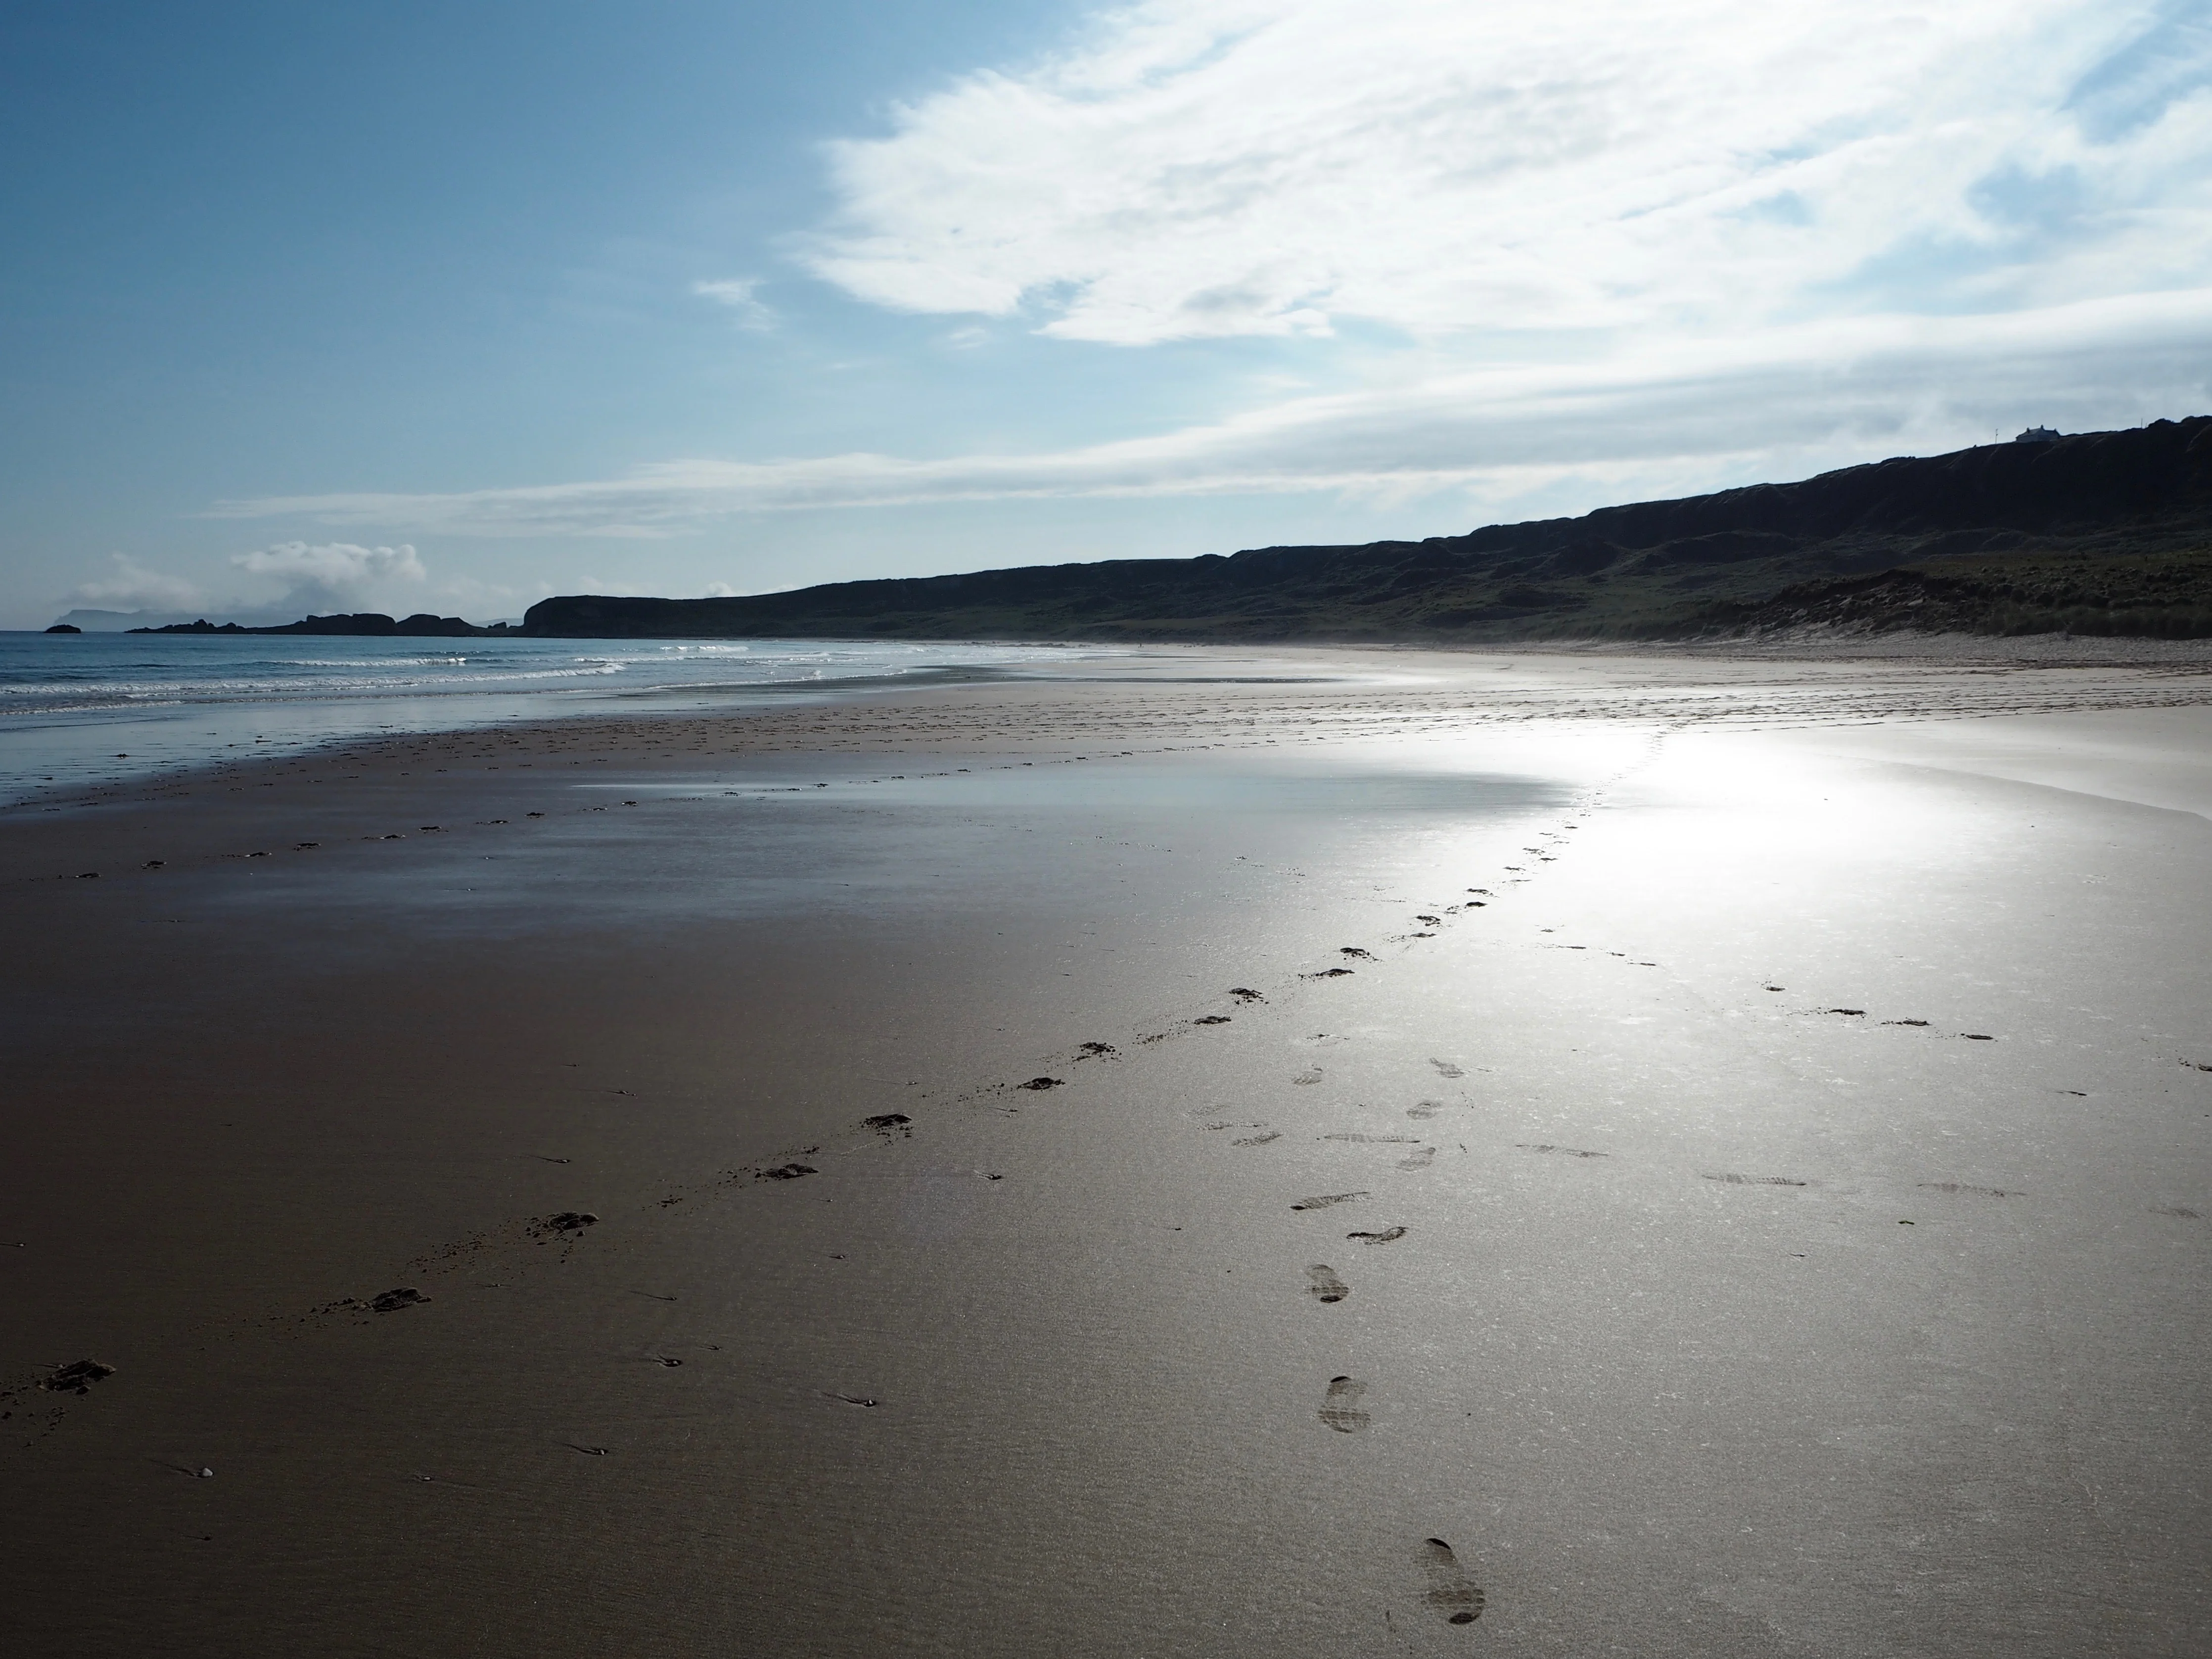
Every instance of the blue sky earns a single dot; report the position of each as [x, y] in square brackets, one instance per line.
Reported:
[452, 307]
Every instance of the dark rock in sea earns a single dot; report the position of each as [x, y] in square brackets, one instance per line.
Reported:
[77, 1377]
[65, 628]
[366, 624]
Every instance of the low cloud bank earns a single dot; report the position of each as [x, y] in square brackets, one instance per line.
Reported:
[1667, 419]
[311, 578]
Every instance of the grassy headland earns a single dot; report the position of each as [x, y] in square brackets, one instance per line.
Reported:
[2102, 532]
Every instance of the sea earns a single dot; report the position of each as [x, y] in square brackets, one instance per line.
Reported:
[84, 709]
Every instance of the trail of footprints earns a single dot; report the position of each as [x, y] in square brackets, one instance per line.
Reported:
[1450, 1592]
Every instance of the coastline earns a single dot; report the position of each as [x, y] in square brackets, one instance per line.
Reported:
[1050, 1369]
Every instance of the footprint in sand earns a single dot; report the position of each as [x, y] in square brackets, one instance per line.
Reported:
[1755, 1181]
[1388, 1235]
[1258, 1140]
[1341, 1407]
[1245, 994]
[1355, 952]
[1445, 1068]
[1310, 1076]
[1978, 1192]
[1420, 1160]
[1564, 1152]
[1323, 1200]
[1323, 1284]
[1450, 1591]
[1424, 1109]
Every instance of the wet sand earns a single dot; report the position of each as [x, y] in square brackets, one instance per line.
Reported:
[1300, 1152]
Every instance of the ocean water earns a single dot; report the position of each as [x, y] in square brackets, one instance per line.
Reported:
[88, 709]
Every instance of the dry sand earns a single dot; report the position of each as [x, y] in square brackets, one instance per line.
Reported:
[1543, 1154]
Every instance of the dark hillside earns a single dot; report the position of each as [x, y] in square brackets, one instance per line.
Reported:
[1652, 570]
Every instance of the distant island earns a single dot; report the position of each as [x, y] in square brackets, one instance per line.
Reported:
[2101, 533]
[365, 624]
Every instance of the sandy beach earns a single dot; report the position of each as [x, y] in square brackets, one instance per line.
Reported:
[1230, 1152]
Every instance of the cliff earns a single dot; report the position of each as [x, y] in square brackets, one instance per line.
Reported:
[2085, 506]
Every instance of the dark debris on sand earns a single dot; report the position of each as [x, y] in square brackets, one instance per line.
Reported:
[77, 1377]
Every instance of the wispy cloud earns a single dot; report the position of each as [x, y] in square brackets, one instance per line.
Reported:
[1209, 168]
[1767, 403]
[739, 293]
[1643, 245]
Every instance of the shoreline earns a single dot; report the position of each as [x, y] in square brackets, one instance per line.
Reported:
[1649, 1001]
[1669, 665]
[1802, 647]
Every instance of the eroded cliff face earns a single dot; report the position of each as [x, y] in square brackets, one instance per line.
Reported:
[2099, 514]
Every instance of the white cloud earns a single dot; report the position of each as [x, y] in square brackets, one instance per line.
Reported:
[1670, 416]
[738, 295]
[1649, 246]
[133, 586]
[333, 576]
[1208, 167]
